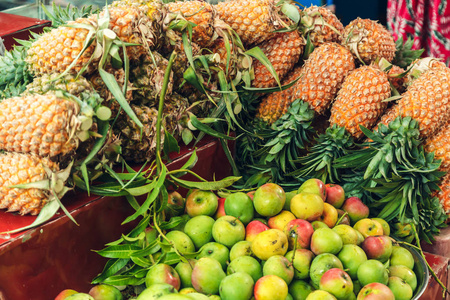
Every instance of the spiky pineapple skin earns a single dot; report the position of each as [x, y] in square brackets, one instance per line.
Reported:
[18, 168]
[323, 74]
[276, 104]
[318, 32]
[283, 51]
[369, 40]
[39, 124]
[359, 101]
[440, 145]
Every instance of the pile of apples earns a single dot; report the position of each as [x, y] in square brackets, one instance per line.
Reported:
[312, 243]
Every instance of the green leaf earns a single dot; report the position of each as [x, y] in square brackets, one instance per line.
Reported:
[118, 251]
[119, 280]
[187, 136]
[170, 144]
[257, 53]
[208, 130]
[152, 248]
[112, 267]
[206, 185]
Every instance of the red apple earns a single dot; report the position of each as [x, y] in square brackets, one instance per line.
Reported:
[329, 215]
[105, 292]
[201, 202]
[175, 205]
[337, 282]
[375, 291]
[65, 293]
[299, 234]
[253, 228]
[378, 247]
[314, 186]
[163, 273]
[335, 194]
[356, 209]
[220, 212]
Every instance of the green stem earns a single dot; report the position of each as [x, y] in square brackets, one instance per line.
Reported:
[162, 96]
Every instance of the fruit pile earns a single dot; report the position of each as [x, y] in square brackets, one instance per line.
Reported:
[310, 243]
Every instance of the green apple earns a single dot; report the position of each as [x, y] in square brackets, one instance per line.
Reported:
[352, 256]
[325, 240]
[197, 296]
[236, 286]
[215, 250]
[105, 292]
[270, 287]
[401, 256]
[240, 206]
[301, 260]
[404, 273]
[384, 225]
[289, 196]
[307, 206]
[184, 270]
[246, 264]
[181, 241]
[65, 293]
[318, 224]
[79, 296]
[280, 266]
[187, 290]
[280, 220]
[320, 295]
[207, 275]
[175, 205]
[174, 297]
[241, 248]
[200, 202]
[269, 199]
[270, 242]
[199, 229]
[337, 282]
[368, 227]
[155, 291]
[400, 288]
[162, 273]
[314, 186]
[372, 271]
[347, 234]
[322, 263]
[300, 289]
[228, 230]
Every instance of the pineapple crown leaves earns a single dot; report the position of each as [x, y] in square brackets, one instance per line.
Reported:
[13, 68]
[404, 55]
[311, 20]
[318, 163]
[60, 16]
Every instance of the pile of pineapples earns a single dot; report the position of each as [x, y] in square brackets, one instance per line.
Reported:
[85, 94]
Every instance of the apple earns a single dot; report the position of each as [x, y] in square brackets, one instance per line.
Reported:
[269, 199]
[253, 228]
[301, 261]
[320, 295]
[352, 256]
[404, 273]
[326, 240]
[174, 297]
[251, 194]
[197, 296]
[270, 287]
[241, 248]
[329, 215]
[400, 288]
[337, 282]
[335, 195]
[280, 266]
[214, 297]
[287, 203]
[368, 227]
[220, 211]
[314, 186]
[356, 209]
[216, 251]
[343, 217]
[201, 202]
[150, 235]
[299, 234]
[279, 221]
[186, 290]
[236, 286]
[360, 238]
[347, 234]
[318, 224]
[401, 256]
[356, 287]
[199, 229]
[378, 247]
[322, 263]
[184, 270]
[228, 230]
[105, 292]
[300, 289]
[79, 296]
[240, 206]
[384, 225]
[175, 205]
[372, 271]
[163, 273]
[207, 275]
[246, 264]
[307, 206]
[375, 291]
[155, 291]
[268, 243]
[65, 293]
[181, 241]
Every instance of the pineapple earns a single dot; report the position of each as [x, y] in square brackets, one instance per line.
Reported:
[359, 101]
[398, 81]
[19, 168]
[253, 20]
[45, 125]
[440, 145]
[49, 82]
[321, 25]
[283, 51]
[368, 40]
[276, 104]
[323, 74]
[444, 194]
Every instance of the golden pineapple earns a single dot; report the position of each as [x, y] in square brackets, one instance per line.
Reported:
[283, 51]
[253, 20]
[426, 100]
[440, 145]
[323, 74]
[368, 40]
[359, 101]
[19, 168]
[276, 104]
[45, 125]
[321, 25]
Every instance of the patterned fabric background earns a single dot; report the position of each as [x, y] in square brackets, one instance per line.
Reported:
[428, 21]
